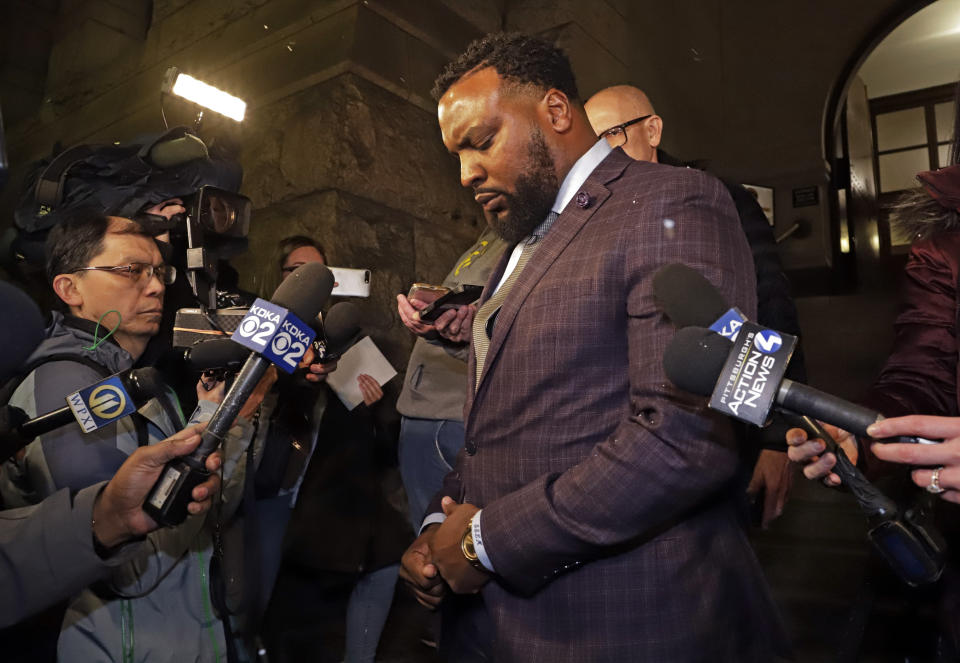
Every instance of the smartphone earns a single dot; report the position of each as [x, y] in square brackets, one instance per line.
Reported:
[350, 282]
[460, 296]
[427, 293]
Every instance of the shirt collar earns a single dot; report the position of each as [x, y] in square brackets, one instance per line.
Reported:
[579, 173]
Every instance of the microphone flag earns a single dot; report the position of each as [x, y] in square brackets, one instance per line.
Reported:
[748, 384]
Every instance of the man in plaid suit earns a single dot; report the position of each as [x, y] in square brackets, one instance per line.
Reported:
[593, 502]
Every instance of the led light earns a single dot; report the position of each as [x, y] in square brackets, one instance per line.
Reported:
[210, 97]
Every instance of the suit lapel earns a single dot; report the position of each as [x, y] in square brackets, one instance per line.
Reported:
[564, 229]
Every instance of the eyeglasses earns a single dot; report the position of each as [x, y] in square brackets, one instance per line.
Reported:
[139, 272]
[617, 135]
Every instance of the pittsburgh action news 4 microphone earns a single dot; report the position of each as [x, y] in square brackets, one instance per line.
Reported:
[276, 333]
[690, 300]
[750, 380]
[93, 407]
[743, 380]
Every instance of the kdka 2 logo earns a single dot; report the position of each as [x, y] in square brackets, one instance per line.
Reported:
[275, 333]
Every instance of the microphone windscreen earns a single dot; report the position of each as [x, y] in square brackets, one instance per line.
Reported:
[687, 297]
[694, 359]
[340, 325]
[305, 291]
[146, 383]
[23, 336]
[216, 353]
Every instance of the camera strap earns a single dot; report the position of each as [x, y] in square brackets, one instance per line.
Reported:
[49, 188]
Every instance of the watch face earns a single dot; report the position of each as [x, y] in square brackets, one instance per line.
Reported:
[466, 545]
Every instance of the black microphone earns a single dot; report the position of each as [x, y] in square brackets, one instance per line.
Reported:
[339, 327]
[216, 354]
[303, 293]
[690, 300]
[694, 361]
[687, 297]
[20, 339]
[140, 385]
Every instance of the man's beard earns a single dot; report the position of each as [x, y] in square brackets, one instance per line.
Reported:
[536, 190]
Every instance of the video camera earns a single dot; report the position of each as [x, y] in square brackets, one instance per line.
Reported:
[128, 179]
[206, 305]
[213, 228]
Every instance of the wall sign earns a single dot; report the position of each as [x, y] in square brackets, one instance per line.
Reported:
[806, 196]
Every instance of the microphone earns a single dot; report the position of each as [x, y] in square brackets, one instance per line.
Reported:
[92, 407]
[216, 354]
[275, 336]
[339, 327]
[20, 339]
[695, 360]
[690, 300]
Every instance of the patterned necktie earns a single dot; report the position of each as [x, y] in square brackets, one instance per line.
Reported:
[481, 340]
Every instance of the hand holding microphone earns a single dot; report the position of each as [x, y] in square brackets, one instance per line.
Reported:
[118, 514]
[277, 334]
[697, 361]
[744, 379]
[338, 328]
[817, 458]
[938, 466]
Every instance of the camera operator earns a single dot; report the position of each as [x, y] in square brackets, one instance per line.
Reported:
[109, 274]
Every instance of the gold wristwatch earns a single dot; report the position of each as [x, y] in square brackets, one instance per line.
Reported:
[468, 549]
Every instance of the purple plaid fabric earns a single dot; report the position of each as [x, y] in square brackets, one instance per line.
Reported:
[606, 493]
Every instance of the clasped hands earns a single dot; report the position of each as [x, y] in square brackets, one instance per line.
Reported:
[435, 563]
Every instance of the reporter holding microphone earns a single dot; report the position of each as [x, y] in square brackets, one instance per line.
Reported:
[54, 549]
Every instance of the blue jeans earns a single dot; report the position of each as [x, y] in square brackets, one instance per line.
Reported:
[428, 450]
[367, 612]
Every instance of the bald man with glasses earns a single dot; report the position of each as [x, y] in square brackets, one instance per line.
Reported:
[625, 117]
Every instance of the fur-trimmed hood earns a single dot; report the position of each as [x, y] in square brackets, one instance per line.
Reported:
[918, 215]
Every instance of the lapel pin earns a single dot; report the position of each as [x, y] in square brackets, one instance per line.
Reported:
[583, 200]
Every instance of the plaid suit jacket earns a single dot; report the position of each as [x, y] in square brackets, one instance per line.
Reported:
[606, 493]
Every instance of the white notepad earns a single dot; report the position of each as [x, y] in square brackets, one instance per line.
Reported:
[363, 357]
